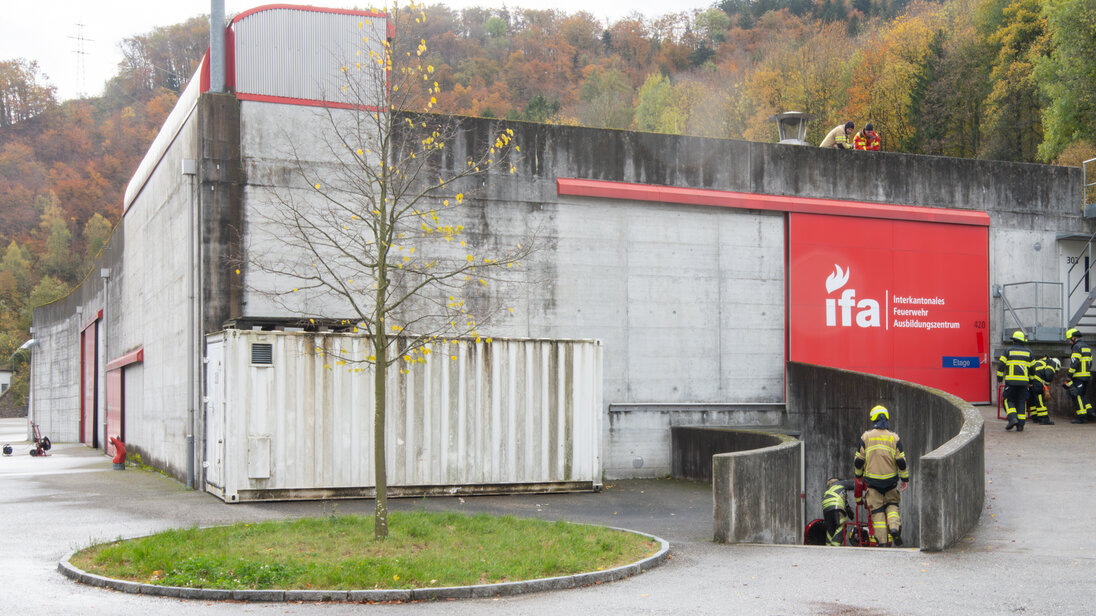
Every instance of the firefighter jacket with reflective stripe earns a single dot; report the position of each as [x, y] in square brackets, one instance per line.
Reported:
[860, 141]
[836, 137]
[1080, 361]
[880, 459]
[1014, 365]
[834, 497]
[1041, 371]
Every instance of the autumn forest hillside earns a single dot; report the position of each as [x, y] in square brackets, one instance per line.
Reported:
[996, 79]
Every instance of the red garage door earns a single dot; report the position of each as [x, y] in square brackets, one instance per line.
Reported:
[899, 298]
[116, 396]
[89, 384]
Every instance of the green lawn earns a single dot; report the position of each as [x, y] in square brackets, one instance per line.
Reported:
[337, 553]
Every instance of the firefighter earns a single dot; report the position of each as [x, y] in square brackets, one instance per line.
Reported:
[1080, 365]
[835, 508]
[881, 462]
[1042, 375]
[840, 137]
[867, 139]
[1014, 367]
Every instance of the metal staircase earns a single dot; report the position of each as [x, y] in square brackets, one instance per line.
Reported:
[1039, 307]
[1080, 292]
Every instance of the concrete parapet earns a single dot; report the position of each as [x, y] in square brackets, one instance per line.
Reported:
[694, 447]
[639, 441]
[941, 434]
[756, 492]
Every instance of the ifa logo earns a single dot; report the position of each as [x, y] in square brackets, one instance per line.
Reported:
[842, 308]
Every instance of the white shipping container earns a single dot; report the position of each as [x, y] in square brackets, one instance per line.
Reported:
[289, 415]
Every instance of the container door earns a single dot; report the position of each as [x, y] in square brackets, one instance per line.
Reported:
[215, 412]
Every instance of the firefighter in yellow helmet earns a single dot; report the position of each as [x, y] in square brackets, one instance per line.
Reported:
[881, 463]
[1014, 368]
[835, 509]
[1043, 371]
[1080, 373]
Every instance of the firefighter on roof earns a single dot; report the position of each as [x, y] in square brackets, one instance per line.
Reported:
[867, 139]
[1080, 373]
[1014, 368]
[881, 462]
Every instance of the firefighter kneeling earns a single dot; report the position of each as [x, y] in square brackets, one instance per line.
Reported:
[836, 510]
[881, 462]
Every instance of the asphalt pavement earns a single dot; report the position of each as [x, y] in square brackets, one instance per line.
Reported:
[1033, 552]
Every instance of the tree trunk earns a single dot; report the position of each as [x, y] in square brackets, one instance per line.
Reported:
[380, 370]
[380, 374]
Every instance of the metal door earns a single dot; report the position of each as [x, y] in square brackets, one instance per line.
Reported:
[116, 408]
[89, 407]
[215, 411]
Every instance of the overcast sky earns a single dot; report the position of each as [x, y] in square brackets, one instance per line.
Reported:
[48, 30]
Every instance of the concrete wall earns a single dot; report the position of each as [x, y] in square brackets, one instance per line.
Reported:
[145, 301]
[953, 478]
[1031, 206]
[55, 362]
[688, 301]
[756, 493]
[694, 447]
[941, 435]
[156, 296]
[639, 435]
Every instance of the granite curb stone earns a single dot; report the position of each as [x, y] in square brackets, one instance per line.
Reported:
[67, 569]
[317, 595]
[364, 596]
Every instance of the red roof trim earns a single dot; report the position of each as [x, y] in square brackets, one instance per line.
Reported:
[302, 7]
[93, 320]
[307, 102]
[777, 203]
[132, 357]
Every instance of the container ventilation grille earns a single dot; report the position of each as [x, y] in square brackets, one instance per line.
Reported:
[262, 354]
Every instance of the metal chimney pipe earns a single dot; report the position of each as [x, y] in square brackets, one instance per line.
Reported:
[217, 45]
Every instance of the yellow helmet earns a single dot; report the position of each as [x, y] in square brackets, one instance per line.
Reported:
[1072, 333]
[879, 412]
[1019, 336]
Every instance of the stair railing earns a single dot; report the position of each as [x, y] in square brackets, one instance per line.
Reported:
[1042, 318]
[1083, 265]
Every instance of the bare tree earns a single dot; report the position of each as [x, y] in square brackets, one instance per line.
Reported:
[375, 221]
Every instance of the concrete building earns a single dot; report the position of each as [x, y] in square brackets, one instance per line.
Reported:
[670, 265]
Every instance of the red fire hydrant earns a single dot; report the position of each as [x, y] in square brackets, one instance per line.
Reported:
[119, 453]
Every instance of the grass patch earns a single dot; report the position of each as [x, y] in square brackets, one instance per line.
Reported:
[329, 553]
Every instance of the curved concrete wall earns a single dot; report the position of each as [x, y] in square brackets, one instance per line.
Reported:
[693, 447]
[755, 492]
[942, 435]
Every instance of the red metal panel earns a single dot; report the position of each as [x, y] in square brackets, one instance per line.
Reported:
[116, 405]
[127, 359]
[905, 299]
[779, 203]
[89, 338]
[316, 9]
[93, 320]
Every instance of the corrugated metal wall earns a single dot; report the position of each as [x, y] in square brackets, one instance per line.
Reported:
[509, 416]
[299, 53]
